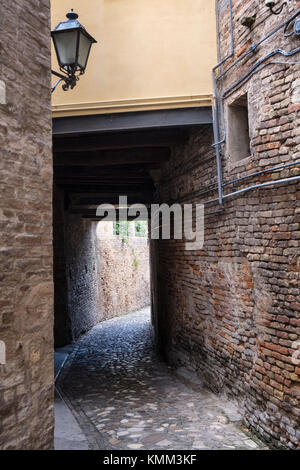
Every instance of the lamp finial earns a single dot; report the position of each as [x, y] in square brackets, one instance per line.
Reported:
[71, 15]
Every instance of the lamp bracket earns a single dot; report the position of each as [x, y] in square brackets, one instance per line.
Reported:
[69, 80]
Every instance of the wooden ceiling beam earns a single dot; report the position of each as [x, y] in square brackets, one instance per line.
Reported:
[92, 142]
[107, 185]
[91, 212]
[112, 199]
[133, 121]
[102, 172]
[112, 158]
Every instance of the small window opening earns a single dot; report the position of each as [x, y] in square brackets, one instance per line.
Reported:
[238, 130]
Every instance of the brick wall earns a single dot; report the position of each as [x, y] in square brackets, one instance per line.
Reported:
[26, 298]
[76, 274]
[231, 311]
[83, 275]
[97, 276]
[62, 321]
[125, 276]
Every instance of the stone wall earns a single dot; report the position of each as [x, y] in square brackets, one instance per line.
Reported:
[26, 299]
[125, 275]
[230, 312]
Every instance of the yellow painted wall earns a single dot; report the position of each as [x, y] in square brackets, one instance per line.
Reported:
[151, 54]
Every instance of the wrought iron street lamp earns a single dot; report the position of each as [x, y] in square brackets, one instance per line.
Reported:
[72, 46]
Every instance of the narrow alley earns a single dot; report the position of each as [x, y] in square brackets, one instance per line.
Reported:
[124, 397]
[150, 155]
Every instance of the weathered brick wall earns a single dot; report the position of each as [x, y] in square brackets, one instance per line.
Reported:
[231, 311]
[26, 299]
[96, 277]
[125, 275]
[83, 274]
[77, 274]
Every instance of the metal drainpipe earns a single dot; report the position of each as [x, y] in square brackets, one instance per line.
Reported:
[217, 146]
[232, 39]
[258, 63]
[262, 172]
[216, 125]
[253, 48]
[261, 185]
[217, 142]
[256, 186]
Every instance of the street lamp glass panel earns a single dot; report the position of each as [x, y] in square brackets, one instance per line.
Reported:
[72, 46]
[66, 47]
[84, 50]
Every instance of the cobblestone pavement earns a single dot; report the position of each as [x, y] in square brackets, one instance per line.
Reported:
[124, 397]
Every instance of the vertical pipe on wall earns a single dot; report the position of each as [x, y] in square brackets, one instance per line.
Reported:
[216, 106]
[218, 154]
[222, 61]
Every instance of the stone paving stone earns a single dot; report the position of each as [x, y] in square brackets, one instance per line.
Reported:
[115, 381]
